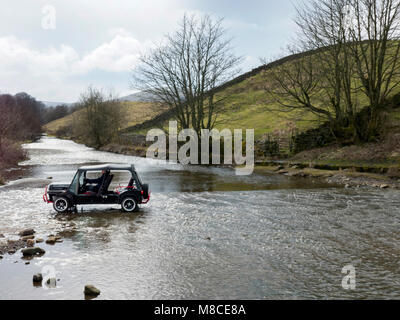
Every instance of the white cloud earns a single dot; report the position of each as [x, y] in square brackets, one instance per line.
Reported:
[120, 54]
[40, 71]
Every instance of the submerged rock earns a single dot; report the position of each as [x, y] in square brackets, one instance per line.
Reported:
[33, 251]
[91, 291]
[27, 232]
[37, 278]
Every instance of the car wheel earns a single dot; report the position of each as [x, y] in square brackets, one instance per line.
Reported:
[129, 205]
[61, 205]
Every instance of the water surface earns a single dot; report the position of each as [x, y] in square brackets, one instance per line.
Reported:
[206, 234]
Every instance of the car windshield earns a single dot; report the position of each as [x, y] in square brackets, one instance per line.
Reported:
[74, 185]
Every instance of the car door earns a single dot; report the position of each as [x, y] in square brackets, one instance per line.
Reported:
[85, 197]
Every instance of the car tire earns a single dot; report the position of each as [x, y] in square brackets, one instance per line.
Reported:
[61, 205]
[129, 204]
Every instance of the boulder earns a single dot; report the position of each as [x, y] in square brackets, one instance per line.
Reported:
[1, 235]
[384, 186]
[32, 251]
[51, 240]
[91, 291]
[39, 240]
[30, 243]
[1, 257]
[26, 238]
[37, 278]
[27, 232]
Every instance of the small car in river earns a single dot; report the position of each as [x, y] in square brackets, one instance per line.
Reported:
[85, 191]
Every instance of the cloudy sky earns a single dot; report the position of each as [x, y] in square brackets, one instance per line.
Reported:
[54, 49]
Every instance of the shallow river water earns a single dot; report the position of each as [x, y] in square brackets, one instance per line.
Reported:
[206, 234]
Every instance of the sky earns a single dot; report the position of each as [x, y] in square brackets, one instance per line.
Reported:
[55, 49]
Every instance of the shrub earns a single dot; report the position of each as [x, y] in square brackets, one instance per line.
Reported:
[268, 147]
[10, 153]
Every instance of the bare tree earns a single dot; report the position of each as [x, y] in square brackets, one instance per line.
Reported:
[99, 119]
[321, 81]
[185, 70]
[351, 48]
[375, 49]
[296, 86]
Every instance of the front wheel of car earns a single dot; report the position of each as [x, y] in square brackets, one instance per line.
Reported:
[61, 205]
[129, 205]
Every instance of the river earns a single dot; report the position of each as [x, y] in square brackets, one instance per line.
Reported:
[206, 234]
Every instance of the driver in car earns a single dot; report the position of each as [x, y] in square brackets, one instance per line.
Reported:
[96, 182]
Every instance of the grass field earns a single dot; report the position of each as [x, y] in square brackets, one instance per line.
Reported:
[135, 113]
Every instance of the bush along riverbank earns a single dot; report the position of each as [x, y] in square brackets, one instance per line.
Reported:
[11, 153]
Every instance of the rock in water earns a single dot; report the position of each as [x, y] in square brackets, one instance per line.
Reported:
[51, 240]
[27, 232]
[37, 278]
[30, 243]
[32, 251]
[91, 291]
[1, 235]
[26, 238]
[39, 240]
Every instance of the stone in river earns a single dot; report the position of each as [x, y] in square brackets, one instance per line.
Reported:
[32, 251]
[26, 238]
[30, 243]
[37, 278]
[91, 291]
[51, 240]
[27, 232]
[39, 240]
[1, 235]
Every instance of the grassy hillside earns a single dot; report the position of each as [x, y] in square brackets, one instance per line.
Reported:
[135, 113]
[247, 106]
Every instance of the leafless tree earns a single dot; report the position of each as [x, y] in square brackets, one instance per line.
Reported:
[99, 119]
[321, 81]
[296, 86]
[184, 71]
[351, 48]
[375, 49]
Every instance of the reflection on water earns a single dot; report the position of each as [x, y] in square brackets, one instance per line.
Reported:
[206, 234]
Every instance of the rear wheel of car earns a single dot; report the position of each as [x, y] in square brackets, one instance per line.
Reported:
[61, 205]
[129, 204]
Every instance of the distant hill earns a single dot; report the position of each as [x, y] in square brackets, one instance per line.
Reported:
[55, 104]
[139, 97]
[135, 113]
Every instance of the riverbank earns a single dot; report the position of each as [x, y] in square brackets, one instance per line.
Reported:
[348, 177]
